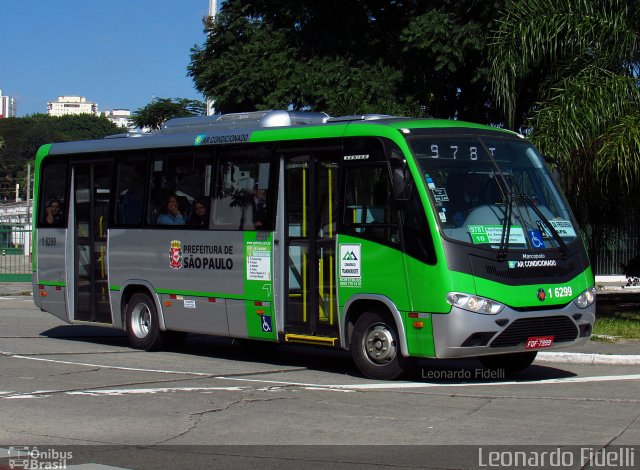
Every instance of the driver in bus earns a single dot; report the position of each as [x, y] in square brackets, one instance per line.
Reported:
[468, 199]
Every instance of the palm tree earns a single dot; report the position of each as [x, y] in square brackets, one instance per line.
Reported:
[566, 73]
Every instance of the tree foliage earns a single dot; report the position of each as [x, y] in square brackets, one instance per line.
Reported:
[566, 71]
[389, 56]
[23, 136]
[154, 114]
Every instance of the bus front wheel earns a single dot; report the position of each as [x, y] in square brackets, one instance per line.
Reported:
[143, 327]
[375, 348]
[509, 363]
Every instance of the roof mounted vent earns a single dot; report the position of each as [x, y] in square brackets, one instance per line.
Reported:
[360, 117]
[234, 121]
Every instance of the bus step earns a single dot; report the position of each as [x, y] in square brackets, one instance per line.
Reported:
[306, 339]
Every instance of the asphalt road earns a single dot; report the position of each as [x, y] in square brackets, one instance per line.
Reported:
[291, 406]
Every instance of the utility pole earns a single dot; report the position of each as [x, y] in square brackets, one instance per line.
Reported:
[213, 11]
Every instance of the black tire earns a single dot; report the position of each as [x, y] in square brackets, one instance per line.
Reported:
[375, 348]
[509, 363]
[143, 326]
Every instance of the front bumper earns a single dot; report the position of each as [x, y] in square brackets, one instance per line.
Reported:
[461, 333]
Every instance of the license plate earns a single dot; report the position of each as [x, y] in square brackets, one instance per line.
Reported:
[538, 342]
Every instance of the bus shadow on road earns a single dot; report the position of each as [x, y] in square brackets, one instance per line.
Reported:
[471, 371]
[88, 334]
[333, 361]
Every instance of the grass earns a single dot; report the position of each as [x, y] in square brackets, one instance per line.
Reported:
[618, 321]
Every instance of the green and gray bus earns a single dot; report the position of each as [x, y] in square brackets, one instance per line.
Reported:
[392, 238]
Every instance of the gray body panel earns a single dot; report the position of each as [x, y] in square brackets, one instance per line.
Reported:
[200, 304]
[145, 254]
[195, 314]
[237, 319]
[452, 329]
[51, 257]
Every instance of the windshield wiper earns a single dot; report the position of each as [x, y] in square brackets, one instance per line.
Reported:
[545, 221]
[506, 227]
[507, 193]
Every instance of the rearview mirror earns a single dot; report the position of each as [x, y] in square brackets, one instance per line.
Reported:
[400, 178]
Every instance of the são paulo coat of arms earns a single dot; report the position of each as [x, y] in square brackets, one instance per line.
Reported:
[175, 255]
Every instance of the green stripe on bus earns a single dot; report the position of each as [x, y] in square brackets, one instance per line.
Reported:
[52, 283]
[43, 151]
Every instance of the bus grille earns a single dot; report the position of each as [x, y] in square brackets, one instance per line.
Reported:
[561, 328]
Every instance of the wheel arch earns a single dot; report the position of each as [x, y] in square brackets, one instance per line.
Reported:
[358, 304]
[139, 286]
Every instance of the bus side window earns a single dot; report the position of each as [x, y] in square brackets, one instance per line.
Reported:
[244, 197]
[180, 184]
[418, 242]
[369, 209]
[130, 191]
[53, 205]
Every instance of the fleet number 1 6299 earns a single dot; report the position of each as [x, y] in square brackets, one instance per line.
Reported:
[560, 292]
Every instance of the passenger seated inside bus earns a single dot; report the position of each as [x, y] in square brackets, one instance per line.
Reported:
[259, 206]
[53, 216]
[199, 213]
[170, 214]
[129, 208]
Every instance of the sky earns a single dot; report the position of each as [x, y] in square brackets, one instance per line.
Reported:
[116, 53]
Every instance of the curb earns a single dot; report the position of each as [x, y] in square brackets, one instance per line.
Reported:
[589, 358]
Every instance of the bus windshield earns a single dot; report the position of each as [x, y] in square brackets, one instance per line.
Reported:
[478, 183]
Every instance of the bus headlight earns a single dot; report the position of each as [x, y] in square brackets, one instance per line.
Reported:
[474, 303]
[587, 298]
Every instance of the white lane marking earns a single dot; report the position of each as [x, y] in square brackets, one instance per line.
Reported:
[151, 391]
[362, 386]
[134, 369]
[408, 385]
[312, 387]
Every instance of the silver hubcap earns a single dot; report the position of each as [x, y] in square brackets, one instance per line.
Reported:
[379, 344]
[141, 320]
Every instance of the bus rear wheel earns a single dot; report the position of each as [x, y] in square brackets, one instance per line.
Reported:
[509, 363]
[375, 348]
[143, 326]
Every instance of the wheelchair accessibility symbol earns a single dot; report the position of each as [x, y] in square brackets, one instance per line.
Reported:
[536, 238]
[266, 324]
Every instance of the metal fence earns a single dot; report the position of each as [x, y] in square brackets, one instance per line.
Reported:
[623, 246]
[15, 242]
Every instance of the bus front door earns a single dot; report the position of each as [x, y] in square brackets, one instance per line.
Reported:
[311, 215]
[92, 183]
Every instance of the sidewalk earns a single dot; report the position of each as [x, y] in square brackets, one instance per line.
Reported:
[623, 352]
[615, 285]
[15, 288]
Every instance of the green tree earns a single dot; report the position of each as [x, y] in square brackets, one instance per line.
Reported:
[387, 56]
[566, 72]
[23, 137]
[154, 114]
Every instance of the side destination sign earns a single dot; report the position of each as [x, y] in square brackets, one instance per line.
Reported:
[203, 139]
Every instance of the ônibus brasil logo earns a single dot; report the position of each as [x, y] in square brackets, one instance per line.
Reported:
[175, 254]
